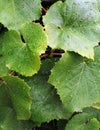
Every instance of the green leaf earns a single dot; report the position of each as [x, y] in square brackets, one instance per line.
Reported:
[93, 112]
[83, 122]
[4, 96]
[24, 57]
[0, 49]
[3, 69]
[35, 37]
[8, 120]
[77, 80]
[46, 104]
[14, 13]
[17, 55]
[73, 26]
[19, 94]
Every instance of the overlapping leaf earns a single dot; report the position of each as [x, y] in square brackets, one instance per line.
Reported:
[8, 120]
[14, 13]
[77, 80]
[46, 104]
[83, 122]
[18, 55]
[74, 25]
[35, 37]
[15, 93]
[93, 112]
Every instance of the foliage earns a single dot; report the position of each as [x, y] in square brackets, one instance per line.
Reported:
[40, 85]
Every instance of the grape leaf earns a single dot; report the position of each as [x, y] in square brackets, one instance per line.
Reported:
[77, 80]
[74, 26]
[46, 104]
[83, 122]
[19, 94]
[35, 37]
[8, 120]
[14, 13]
[18, 55]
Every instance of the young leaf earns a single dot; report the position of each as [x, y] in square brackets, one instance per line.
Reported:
[83, 122]
[24, 57]
[19, 94]
[35, 37]
[14, 13]
[46, 104]
[74, 25]
[77, 80]
[8, 120]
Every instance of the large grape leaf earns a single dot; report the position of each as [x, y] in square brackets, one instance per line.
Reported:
[18, 55]
[83, 122]
[77, 80]
[46, 104]
[14, 13]
[8, 120]
[74, 25]
[16, 94]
